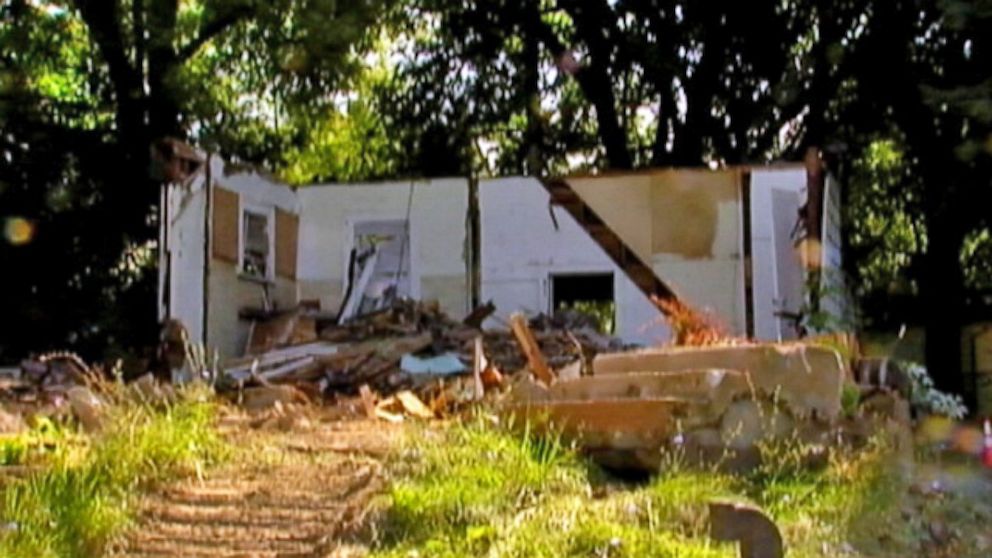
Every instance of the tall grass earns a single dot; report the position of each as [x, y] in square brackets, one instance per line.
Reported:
[476, 489]
[80, 498]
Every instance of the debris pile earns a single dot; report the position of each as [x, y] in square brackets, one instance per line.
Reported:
[43, 381]
[409, 347]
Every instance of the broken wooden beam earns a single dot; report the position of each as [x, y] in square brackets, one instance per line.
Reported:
[528, 345]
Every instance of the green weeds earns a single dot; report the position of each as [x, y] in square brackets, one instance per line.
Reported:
[77, 502]
[478, 489]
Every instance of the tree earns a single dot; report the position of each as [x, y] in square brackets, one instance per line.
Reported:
[920, 71]
[90, 87]
[620, 84]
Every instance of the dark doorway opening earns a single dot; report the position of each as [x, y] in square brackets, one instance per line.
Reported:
[587, 294]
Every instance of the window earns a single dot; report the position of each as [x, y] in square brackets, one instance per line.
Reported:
[256, 245]
[585, 297]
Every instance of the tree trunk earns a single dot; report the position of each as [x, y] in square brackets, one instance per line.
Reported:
[942, 297]
[531, 154]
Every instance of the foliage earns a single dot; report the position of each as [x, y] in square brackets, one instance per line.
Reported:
[603, 312]
[887, 233]
[349, 141]
[79, 500]
[88, 88]
[36, 443]
[828, 305]
[550, 86]
[480, 490]
[927, 398]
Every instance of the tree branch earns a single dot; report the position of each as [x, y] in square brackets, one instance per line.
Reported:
[596, 85]
[101, 18]
[213, 27]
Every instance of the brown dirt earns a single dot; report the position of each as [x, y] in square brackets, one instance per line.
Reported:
[298, 483]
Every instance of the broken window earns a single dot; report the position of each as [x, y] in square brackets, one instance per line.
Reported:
[255, 246]
[585, 299]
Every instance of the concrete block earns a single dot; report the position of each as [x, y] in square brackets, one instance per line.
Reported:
[807, 379]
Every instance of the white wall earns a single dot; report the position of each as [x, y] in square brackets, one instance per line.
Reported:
[521, 248]
[438, 237]
[228, 289]
[185, 207]
[768, 294]
[686, 224]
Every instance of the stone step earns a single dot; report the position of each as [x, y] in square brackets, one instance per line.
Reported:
[216, 533]
[244, 514]
[231, 548]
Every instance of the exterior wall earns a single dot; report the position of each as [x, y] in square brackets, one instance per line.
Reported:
[181, 285]
[771, 293]
[521, 248]
[438, 211]
[228, 290]
[687, 225]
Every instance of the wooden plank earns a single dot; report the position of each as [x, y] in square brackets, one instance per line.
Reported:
[528, 345]
[477, 367]
[287, 233]
[368, 401]
[290, 369]
[225, 222]
[358, 291]
[387, 349]
[279, 356]
[412, 405]
[608, 423]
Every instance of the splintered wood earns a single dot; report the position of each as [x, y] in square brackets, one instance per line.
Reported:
[535, 360]
[399, 349]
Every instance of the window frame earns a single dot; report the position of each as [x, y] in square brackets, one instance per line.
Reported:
[269, 214]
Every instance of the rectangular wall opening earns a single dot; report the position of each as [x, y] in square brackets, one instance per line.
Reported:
[587, 295]
[379, 267]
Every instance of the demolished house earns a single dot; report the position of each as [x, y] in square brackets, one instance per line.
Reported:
[240, 247]
[357, 289]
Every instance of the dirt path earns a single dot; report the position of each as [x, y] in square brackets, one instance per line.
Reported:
[293, 487]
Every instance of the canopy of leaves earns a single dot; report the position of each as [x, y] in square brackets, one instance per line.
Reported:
[87, 87]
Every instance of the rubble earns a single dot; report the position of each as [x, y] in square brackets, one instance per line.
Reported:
[86, 407]
[707, 399]
[411, 361]
[409, 347]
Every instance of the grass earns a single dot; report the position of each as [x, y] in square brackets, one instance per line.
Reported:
[79, 498]
[479, 489]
